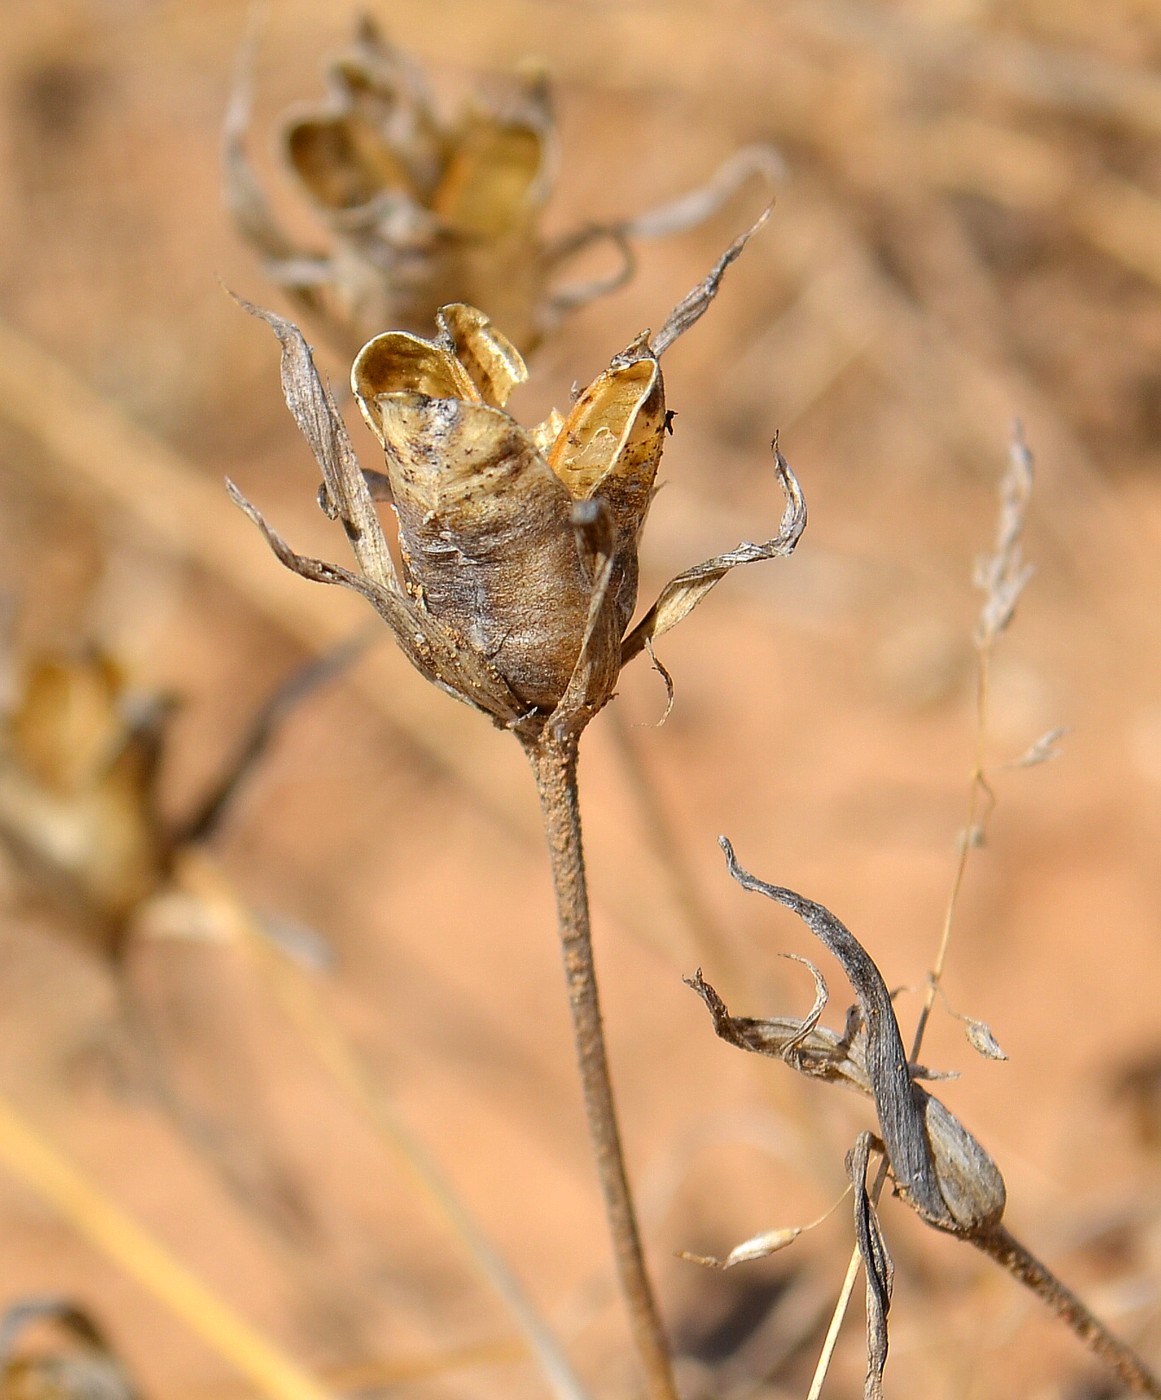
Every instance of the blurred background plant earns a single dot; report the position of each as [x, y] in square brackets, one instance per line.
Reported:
[969, 230]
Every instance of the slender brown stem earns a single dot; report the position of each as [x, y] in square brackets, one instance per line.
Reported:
[554, 763]
[1010, 1254]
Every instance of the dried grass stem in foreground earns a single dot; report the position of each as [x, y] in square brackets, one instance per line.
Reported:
[554, 765]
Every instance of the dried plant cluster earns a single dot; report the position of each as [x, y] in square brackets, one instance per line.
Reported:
[504, 560]
[519, 546]
[422, 212]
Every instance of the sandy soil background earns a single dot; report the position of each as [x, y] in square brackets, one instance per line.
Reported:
[970, 231]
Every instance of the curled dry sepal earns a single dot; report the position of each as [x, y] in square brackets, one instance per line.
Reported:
[519, 546]
[939, 1169]
[423, 211]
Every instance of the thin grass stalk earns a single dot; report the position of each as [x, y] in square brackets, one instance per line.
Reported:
[304, 1007]
[53, 1179]
[554, 764]
[712, 946]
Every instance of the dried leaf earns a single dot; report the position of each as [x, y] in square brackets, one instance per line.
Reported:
[821, 997]
[319, 421]
[820, 1054]
[940, 1169]
[877, 1265]
[446, 660]
[666, 680]
[756, 1247]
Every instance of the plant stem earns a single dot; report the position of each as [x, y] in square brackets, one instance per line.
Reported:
[554, 764]
[1010, 1254]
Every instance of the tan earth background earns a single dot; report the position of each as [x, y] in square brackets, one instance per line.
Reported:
[970, 231]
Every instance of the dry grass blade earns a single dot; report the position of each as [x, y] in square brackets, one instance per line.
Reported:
[306, 1009]
[877, 1263]
[41, 1167]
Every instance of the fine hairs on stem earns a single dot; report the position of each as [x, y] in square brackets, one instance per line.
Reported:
[554, 765]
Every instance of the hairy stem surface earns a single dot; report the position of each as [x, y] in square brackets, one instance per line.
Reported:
[554, 763]
[1010, 1254]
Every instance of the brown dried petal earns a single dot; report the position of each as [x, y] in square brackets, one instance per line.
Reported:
[343, 161]
[400, 363]
[546, 433]
[500, 168]
[598, 660]
[487, 188]
[492, 362]
[611, 440]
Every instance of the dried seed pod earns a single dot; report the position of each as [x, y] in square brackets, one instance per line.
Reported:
[519, 546]
[486, 524]
[940, 1169]
[422, 212]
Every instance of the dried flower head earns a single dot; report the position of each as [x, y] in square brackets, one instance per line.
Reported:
[81, 755]
[78, 776]
[423, 212]
[519, 546]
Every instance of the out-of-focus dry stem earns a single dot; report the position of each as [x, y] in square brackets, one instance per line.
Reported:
[713, 948]
[56, 1181]
[980, 802]
[1011, 1255]
[554, 764]
[306, 1009]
